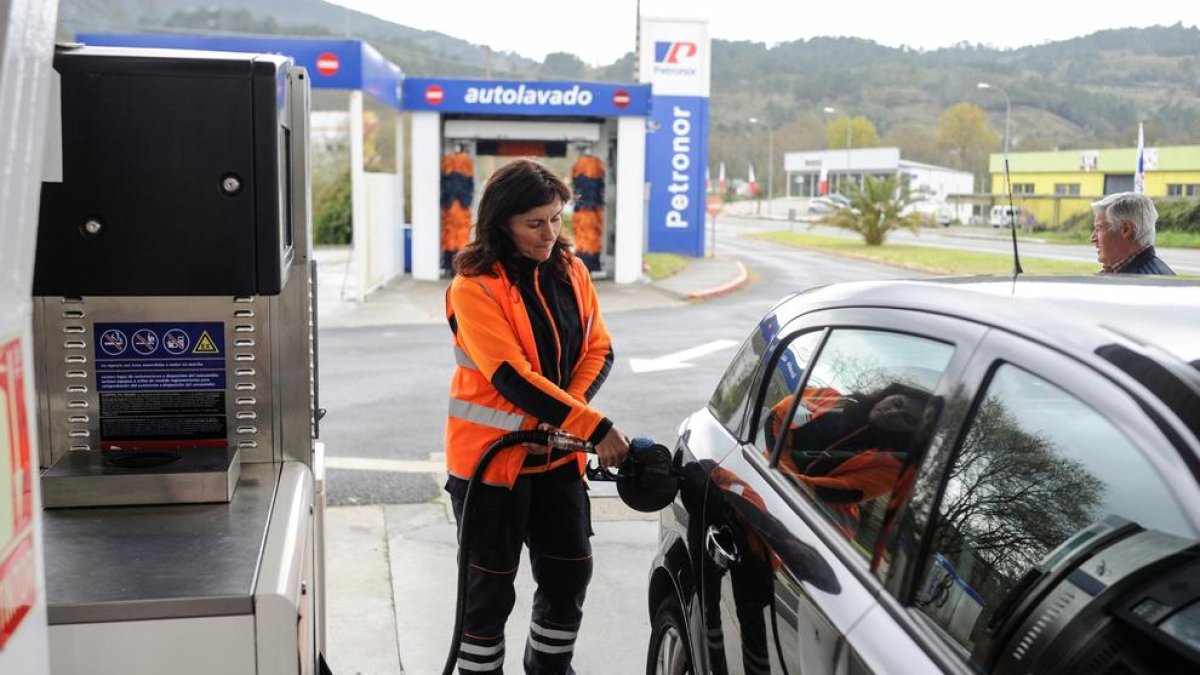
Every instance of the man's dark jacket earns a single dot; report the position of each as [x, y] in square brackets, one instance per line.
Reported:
[1145, 262]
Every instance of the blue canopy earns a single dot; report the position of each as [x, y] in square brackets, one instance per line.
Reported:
[332, 64]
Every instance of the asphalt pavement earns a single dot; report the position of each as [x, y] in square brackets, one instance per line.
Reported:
[390, 569]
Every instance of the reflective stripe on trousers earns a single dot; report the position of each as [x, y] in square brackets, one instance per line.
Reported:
[477, 655]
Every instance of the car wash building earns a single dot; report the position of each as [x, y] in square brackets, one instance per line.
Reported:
[629, 137]
[463, 129]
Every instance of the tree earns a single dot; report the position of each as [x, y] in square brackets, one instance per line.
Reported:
[1012, 497]
[877, 207]
[863, 133]
[916, 141]
[621, 70]
[964, 135]
[564, 65]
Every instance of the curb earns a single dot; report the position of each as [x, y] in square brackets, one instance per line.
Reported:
[741, 279]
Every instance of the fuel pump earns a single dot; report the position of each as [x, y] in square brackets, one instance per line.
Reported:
[174, 332]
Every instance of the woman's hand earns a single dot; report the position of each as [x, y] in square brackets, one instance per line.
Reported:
[612, 450]
[534, 448]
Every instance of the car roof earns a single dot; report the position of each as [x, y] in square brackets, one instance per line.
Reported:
[1080, 314]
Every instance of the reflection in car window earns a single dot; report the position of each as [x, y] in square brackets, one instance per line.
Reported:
[846, 443]
[1040, 484]
[784, 378]
[728, 402]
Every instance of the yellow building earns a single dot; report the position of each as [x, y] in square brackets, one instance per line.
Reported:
[1055, 185]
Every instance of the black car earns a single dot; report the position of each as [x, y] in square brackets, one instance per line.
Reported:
[975, 476]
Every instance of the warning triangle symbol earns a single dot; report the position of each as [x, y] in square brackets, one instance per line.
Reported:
[205, 345]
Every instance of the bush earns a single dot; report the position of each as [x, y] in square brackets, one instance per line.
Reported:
[1178, 215]
[331, 211]
[1078, 222]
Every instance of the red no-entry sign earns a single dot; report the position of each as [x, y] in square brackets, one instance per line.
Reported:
[328, 63]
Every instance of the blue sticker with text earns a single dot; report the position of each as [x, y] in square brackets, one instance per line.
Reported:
[160, 356]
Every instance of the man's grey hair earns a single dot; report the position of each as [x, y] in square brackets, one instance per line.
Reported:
[1136, 208]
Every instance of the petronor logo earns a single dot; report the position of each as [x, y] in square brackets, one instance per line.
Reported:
[675, 52]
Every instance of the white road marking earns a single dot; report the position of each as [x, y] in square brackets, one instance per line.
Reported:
[677, 360]
[387, 465]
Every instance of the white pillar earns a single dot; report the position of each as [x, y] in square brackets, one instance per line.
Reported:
[397, 225]
[26, 50]
[631, 200]
[360, 258]
[426, 191]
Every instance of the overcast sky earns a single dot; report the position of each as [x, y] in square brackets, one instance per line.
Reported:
[534, 28]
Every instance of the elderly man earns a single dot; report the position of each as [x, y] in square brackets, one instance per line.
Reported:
[1123, 234]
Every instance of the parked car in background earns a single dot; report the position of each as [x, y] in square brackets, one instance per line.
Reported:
[838, 199]
[1005, 216]
[828, 203]
[963, 476]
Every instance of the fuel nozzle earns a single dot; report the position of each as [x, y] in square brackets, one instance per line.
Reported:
[647, 480]
[560, 440]
[639, 444]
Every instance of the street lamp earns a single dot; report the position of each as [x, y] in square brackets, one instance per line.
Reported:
[1007, 114]
[1007, 110]
[1007, 188]
[770, 162]
[831, 111]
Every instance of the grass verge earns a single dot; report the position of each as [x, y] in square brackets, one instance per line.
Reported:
[925, 258]
[662, 265]
[1171, 239]
[1164, 239]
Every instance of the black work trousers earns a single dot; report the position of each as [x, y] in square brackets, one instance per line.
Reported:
[550, 512]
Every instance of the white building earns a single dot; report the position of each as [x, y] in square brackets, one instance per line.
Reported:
[805, 170]
[936, 184]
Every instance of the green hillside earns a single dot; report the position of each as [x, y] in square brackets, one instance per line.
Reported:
[1087, 92]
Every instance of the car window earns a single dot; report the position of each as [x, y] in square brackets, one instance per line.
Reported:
[729, 400]
[783, 379]
[846, 443]
[1039, 480]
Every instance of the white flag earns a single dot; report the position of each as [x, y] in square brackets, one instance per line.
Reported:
[1139, 176]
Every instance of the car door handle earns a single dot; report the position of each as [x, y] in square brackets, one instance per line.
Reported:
[724, 555]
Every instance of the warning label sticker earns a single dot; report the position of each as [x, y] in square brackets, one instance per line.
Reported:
[161, 383]
[18, 570]
[160, 356]
[206, 345]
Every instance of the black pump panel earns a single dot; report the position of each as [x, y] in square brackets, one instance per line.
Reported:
[174, 176]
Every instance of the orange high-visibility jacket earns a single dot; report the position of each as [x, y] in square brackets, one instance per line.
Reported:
[498, 386]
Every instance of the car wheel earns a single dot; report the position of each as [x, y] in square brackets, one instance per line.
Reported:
[669, 653]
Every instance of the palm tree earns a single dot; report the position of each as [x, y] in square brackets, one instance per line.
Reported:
[877, 207]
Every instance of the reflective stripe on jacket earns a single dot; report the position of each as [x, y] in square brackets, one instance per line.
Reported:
[495, 352]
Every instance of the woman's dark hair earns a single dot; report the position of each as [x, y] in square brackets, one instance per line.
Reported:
[515, 188]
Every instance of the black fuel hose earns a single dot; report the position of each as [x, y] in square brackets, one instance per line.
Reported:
[553, 439]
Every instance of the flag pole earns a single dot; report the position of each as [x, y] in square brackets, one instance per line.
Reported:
[1139, 176]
